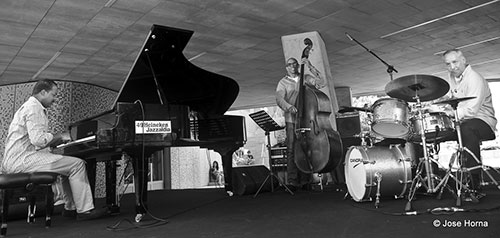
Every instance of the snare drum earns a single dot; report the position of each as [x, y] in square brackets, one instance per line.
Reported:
[390, 117]
[362, 165]
[437, 126]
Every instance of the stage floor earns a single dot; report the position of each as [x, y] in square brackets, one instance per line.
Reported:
[210, 213]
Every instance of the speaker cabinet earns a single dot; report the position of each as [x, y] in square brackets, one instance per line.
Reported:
[248, 179]
[348, 124]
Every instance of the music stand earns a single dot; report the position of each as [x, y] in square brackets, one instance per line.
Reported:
[268, 124]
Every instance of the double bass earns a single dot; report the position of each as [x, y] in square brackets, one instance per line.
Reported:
[317, 146]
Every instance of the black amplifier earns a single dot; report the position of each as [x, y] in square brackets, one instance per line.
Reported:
[348, 124]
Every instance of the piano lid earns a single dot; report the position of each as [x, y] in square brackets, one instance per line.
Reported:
[162, 75]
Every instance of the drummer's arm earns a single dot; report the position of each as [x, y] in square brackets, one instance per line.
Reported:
[469, 108]
[434, 108]
[449, 111]
[446, 107]
[443, 107]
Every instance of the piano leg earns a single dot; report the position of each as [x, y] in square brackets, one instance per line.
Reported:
[227, 165]
[112, 200]
[140, 184]
[226, 153]
[91, 173]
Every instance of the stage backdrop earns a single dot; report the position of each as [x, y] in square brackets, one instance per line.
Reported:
[293, 47]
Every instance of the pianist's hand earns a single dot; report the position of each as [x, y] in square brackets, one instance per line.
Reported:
[59, 138]
[65, 137]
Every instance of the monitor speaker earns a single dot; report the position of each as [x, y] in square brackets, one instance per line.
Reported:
[248, 179]
[348, 124]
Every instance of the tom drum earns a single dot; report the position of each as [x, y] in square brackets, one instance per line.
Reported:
[437, 126]
[390, 117]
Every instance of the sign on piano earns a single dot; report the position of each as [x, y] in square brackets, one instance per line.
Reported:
[153, 127]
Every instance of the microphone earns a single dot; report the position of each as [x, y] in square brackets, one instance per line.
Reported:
[348, 36]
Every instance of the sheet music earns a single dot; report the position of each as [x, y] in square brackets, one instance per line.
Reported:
[265, 121]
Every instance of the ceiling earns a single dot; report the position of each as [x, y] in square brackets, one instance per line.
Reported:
[97, 41]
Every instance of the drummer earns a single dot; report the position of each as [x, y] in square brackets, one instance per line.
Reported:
[477, 115]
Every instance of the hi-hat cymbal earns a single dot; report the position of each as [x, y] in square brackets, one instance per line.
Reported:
[354, 109]
[454, 101]
[426, 87]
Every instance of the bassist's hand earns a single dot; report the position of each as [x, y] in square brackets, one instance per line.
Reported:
[292, 109]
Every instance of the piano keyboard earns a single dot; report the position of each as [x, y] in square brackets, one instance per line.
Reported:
[79, 141]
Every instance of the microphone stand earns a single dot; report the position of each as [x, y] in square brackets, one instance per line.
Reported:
[390, 68]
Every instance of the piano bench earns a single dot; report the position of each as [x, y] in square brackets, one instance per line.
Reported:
[24, 187]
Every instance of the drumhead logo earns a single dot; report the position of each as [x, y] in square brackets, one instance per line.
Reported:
[356, 161]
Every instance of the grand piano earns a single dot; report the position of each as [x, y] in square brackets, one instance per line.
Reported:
[165, 101]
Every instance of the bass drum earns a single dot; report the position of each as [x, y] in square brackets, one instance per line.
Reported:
[364, 166]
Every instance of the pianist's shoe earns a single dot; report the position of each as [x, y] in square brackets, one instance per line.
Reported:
[92, 214]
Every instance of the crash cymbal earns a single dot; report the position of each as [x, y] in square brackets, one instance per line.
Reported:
[454, 101]
[344, 109]
[426, 87]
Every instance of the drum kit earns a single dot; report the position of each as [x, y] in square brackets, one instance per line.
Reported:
[372, 171]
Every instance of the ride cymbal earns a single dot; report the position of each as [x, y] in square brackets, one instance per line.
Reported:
[411, 87]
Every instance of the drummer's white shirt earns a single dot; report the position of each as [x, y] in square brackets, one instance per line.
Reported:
[472, 84]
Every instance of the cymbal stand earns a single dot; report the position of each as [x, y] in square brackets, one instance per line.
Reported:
[485, 169]
[433, 158]
[444, 182]
[424, 162]
[460, 186]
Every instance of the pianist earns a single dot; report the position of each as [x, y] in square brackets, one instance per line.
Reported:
[27, 149]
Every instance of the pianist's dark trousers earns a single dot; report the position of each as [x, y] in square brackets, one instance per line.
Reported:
[295, 177]
[77, 194]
